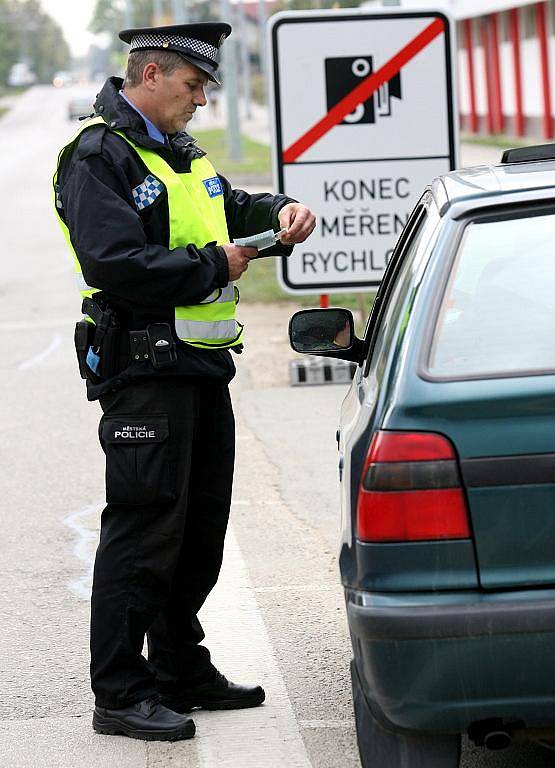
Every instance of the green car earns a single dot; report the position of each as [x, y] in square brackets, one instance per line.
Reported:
[447, 465]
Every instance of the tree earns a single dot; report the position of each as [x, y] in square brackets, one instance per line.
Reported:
[42, 40]
[109, 15]
[28, 34]
[9, 46]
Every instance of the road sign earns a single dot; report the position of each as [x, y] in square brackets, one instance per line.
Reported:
[364, 118]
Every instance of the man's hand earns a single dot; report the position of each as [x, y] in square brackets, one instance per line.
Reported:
[298, 220]
[238, 259]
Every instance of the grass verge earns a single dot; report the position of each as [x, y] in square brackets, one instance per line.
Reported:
[260, 284]
[5, 91]
[501, 140]
[256, 157]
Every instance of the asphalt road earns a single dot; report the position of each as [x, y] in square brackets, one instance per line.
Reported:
[277, 615]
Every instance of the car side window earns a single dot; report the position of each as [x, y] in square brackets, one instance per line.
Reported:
[384, 319]
[496, 317]
[390, 272]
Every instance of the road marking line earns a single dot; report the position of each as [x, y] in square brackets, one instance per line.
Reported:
[266, 736]
[298, 588]
[84, 545]
[309, 724]
[37, 359]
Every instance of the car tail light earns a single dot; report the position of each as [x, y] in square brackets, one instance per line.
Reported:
[411, 490]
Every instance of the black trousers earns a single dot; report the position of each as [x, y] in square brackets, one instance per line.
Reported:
[169, 445]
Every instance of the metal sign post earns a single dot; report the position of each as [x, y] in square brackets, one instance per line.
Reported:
[229, 58]
[364, 117]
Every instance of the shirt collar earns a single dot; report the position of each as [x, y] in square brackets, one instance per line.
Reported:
[154, 132]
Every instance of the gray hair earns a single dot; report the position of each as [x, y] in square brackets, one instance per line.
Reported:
[168, 61]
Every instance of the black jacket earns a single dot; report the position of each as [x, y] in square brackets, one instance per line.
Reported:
[125, 252]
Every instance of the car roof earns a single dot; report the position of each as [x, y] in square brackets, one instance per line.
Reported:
[474, 185]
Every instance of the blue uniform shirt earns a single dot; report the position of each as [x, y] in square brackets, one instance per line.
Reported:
[154, 132]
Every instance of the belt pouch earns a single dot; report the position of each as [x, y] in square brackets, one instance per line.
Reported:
[84, 335]
[161, 345]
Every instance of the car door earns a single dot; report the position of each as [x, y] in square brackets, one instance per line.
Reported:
[360, 408]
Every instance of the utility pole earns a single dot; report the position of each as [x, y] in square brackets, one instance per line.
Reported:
[128, 14]
[158, 13]
[229, 51]
[245, 57]
[179, 12]
[262, 19]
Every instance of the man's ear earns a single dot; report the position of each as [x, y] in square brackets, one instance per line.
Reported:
[151, 76]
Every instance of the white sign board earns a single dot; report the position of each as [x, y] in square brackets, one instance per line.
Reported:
[364, 118]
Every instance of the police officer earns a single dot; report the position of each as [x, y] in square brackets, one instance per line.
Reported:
[150, 224]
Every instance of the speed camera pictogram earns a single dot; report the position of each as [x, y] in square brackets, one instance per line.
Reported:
[344, 73]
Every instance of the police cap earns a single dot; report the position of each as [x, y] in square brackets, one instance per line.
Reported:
[197, 43]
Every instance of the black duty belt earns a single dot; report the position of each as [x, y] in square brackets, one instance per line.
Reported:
[155, 343]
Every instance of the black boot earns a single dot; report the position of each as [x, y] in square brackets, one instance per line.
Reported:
[148, 720]
[217, 693]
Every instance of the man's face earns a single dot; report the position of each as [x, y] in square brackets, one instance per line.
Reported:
[178, 95]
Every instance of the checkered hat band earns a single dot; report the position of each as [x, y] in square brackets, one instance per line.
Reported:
[158, 41]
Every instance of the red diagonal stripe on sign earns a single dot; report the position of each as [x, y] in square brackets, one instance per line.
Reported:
[363, 91]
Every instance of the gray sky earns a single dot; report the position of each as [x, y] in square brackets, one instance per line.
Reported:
[74, 17]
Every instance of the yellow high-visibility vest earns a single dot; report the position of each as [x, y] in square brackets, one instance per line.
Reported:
[197, 217]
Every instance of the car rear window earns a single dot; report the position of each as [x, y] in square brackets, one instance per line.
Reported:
[497, 316]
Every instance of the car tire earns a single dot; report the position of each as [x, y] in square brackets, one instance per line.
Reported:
[383, 747]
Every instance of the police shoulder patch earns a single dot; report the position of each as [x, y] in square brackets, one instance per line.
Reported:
[147, 192]
[213, 186]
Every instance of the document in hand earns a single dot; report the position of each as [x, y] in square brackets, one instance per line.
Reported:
[261, 241]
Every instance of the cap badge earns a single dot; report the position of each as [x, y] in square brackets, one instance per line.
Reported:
[165, 44]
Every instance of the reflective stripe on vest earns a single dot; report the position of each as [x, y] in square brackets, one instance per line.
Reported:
[197, 217]
[82, 285]
[198, 329]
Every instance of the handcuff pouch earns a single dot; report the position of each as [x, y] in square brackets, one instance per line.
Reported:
[161, 345]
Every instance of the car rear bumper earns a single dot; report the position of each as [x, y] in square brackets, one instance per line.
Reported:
[440, 661]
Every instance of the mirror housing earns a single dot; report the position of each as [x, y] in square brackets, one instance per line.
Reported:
[325, 332]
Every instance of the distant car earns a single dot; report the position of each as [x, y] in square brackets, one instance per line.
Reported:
[62, 78]
[21, 75]
[447, 467]
[80, 105]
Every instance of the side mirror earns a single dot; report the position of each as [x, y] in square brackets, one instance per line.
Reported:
[326, 332]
